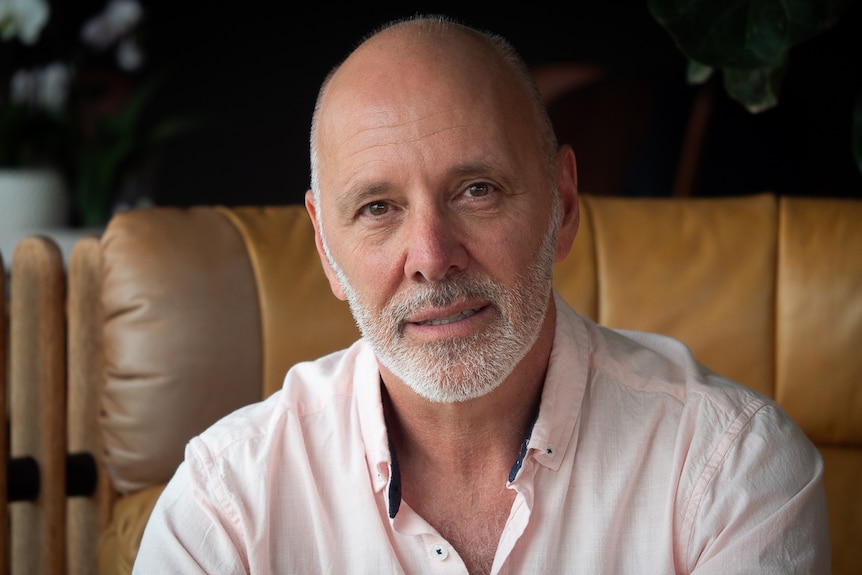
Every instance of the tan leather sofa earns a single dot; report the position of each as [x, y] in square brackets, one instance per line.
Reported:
[177, 316]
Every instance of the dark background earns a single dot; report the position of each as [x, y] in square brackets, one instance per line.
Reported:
[254, 68]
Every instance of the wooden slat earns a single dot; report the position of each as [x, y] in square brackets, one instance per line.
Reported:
[87, 516]
[4, 435]
[38, 403]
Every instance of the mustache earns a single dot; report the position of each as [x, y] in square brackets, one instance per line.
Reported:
[441, 294]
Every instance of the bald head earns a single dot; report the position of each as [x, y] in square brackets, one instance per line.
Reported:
[411, 67]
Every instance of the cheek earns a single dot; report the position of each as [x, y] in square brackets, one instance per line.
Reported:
[372, 275]
[498, 261]
[508, 251]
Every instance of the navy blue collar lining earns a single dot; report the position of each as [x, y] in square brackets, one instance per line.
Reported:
[394, 480]
[523, 453]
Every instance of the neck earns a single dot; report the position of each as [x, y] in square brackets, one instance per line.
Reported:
[456, 439]
[464, 436]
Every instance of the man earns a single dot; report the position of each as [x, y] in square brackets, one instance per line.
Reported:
[480, 425]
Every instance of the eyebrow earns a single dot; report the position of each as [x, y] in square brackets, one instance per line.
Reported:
[358, 195]
[473, 168]
[361, 193]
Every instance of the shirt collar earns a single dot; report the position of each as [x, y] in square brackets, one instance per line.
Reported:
[551, 435]
[555, 430]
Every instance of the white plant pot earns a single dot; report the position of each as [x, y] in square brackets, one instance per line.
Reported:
[32, 200]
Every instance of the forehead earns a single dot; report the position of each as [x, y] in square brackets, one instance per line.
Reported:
[389, 104]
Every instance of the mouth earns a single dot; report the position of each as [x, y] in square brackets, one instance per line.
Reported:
[461, 315]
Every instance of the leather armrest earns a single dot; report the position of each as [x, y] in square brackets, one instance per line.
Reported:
[120, 540]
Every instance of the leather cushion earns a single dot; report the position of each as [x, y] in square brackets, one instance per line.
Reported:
[819, 323]
[182, 336]
[701, 270]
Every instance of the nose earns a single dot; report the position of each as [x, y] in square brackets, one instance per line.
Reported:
[435, 247]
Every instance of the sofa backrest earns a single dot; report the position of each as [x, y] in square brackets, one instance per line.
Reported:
[204, 309]
[699, 270]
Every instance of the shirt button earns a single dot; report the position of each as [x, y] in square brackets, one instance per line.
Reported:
[440, 552]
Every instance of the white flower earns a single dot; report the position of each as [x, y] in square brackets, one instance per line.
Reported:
[117, 19]
[53, 86]
[46, 88]
[23, 87]
[23, 18]
[129, 55]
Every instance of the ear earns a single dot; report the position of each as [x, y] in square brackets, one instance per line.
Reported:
[334, 284]
[567, 186]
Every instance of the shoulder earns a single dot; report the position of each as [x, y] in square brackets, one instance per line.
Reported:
[731, 460]
[653, 379]
[312, 391]
[651, 363]
[664, 384]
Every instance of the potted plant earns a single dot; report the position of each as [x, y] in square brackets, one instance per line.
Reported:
[76, 100]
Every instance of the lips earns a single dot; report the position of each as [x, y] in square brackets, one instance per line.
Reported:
[451, 318]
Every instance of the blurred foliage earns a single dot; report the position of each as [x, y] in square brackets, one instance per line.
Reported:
[750, 42]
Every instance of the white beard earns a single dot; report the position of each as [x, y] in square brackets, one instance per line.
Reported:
[459, 369]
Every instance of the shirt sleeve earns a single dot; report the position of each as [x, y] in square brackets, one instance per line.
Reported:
[762, 508]
[188, 531]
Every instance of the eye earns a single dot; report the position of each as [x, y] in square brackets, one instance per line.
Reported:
[376, 208]
[478, 190]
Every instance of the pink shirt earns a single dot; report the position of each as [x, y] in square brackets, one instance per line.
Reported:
[640, 461]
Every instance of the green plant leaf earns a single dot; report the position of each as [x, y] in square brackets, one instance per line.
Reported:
[757, 90]
[30, 136]
[697, 73]
[743, 34]
[748, 40]
[120, 141]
